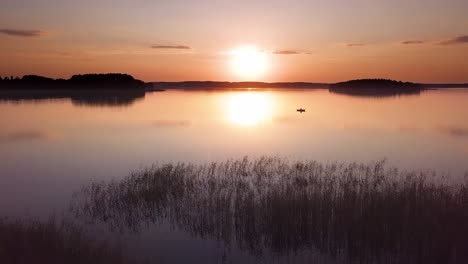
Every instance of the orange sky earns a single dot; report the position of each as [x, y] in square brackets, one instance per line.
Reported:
[317, 41]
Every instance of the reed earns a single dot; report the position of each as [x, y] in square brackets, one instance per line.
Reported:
[356, 213]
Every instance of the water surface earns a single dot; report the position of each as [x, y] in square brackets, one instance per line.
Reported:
[50, 148]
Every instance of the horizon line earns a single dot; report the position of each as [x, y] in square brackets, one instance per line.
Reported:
[250, 81]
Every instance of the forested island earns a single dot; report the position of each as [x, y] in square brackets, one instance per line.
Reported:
[113, 89]
[375, 87]
[81, 82]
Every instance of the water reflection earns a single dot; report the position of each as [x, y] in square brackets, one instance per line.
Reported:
[376, 93]
[100, 98]
[356, 213]
[108, 99]
[249, 108]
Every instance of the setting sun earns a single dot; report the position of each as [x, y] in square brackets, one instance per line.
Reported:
[248, 62]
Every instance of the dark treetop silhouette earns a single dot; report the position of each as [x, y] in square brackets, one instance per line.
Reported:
[81, 82]
[376, 87]
[111, 89]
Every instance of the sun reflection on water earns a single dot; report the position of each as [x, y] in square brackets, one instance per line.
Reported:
[249, 108]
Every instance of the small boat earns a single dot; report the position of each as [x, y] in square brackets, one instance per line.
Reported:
[301, 110]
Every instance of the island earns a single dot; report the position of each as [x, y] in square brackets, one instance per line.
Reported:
[81, 81]
[111, 89]
[376, 88]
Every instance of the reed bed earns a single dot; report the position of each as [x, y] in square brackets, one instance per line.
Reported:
[26, 241]
[355, 213]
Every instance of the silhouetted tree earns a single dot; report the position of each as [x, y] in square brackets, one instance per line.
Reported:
[78, 82]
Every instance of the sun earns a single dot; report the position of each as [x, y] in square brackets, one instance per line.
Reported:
[249, 63]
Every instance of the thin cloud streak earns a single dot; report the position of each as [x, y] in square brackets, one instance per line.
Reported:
[171, 123]
[183, 47]
[286, 52]
[289, 52]
[24, 136]
[355, 44]
[22, 33]
[456, 40]
[410, 42]
[454, 131]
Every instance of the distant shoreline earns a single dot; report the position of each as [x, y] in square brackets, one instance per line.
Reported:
[215, 85]
[118, 81]
[229, 85]
[357, 88]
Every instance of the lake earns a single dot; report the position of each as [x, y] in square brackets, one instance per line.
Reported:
[51, 147]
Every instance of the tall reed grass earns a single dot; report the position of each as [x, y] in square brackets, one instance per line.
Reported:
[356, 213]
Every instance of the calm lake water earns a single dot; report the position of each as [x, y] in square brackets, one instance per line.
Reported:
[49, 149]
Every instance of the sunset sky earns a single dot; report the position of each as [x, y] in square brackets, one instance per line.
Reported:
[316, 41]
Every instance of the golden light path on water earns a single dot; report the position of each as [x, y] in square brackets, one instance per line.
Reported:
[249, 108]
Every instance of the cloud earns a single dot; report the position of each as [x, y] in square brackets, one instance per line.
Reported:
[289, 52]
[63, 53]
[409, 42]
[24, 136]
[22, 33]
[171, 123]
[355, 44]
[286, 52]
[454, 131]
[183, 47]
[456, 40]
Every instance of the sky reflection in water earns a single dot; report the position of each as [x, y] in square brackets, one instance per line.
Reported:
[50, 148]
